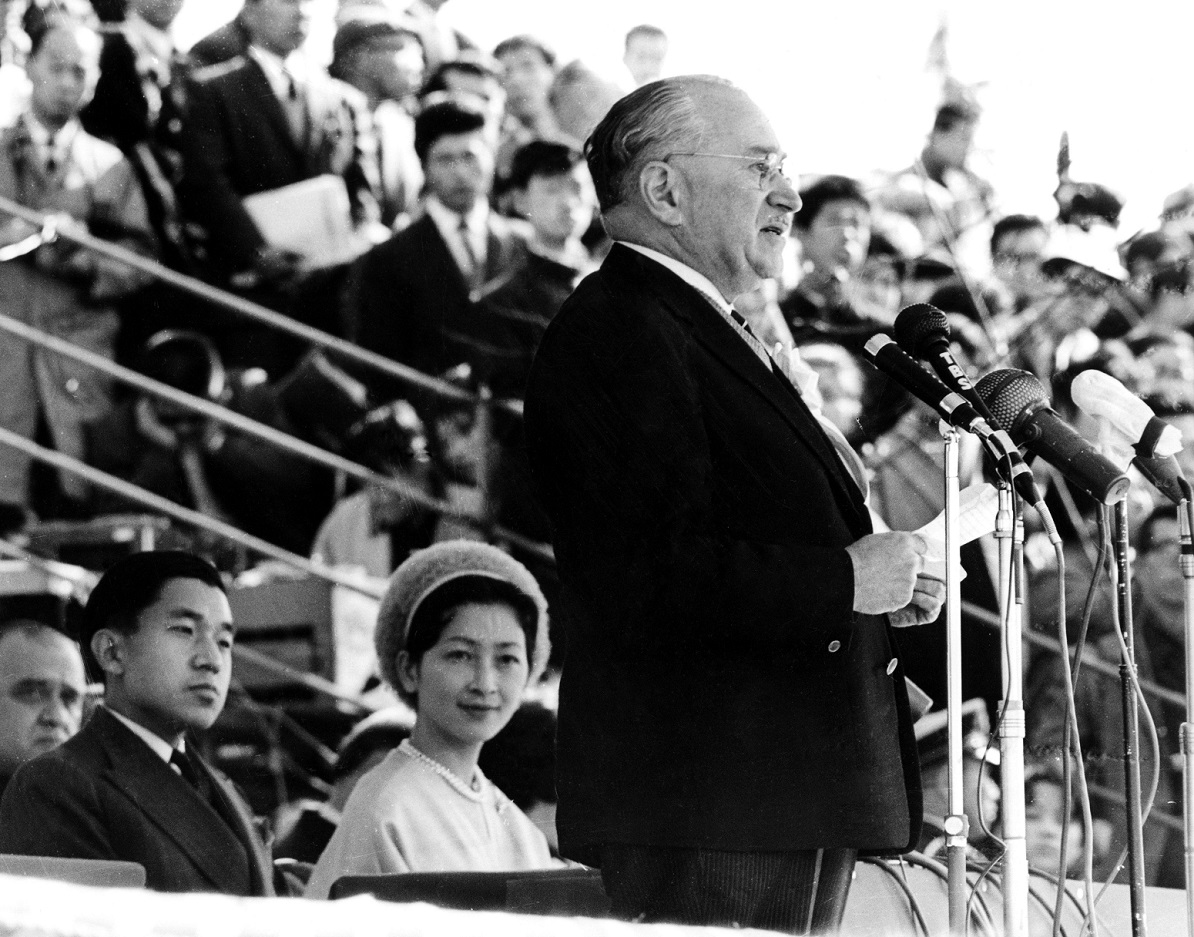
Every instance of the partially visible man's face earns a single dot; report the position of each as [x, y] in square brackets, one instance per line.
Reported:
[41, 695]
[644, 57]
[953, 146]
[1017, 260]
[159, 13]
[459, 169]
[559, 207]
[63, 74]
[838, 237]
[175, 667]
[487, 90]
[278, 26]
[526, 78]
[734, 229]
[395, 66]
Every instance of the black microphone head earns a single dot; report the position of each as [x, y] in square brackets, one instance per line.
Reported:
[919, 325]
[1011, 395]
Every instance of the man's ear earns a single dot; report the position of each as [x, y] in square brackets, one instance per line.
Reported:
[662, 191]
[107, 646]
[408, 673]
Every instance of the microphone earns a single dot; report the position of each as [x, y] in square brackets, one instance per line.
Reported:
[920, 382]
[1100, 395]
[1018, 400]
[953, 409]
[923, 331]
[1165, 474]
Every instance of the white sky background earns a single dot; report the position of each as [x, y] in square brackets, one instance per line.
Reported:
[844, 81]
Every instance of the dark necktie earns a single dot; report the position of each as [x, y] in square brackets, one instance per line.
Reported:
[845, 452]
[472, 275]
[181, 763]
[295, 105]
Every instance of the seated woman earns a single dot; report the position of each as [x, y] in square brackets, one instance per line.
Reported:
[461, 632]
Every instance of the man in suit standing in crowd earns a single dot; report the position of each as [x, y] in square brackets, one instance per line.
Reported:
[412, 298]
[262, 121]
[41, 692]
[734, 723]
[382, 58]
[139, 104]
[130, 786]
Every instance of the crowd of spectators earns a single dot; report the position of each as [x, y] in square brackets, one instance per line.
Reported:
[468, 217]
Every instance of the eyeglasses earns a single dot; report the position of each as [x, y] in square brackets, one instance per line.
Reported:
[769, 168]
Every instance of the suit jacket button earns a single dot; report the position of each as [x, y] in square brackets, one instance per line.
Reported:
[891, 665]
[835, 646]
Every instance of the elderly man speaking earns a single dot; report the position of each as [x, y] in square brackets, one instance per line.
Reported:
[734, 724]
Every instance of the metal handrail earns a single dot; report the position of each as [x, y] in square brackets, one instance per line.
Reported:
[261, 431]
[186, 515]
[990, 619]
[236, 304]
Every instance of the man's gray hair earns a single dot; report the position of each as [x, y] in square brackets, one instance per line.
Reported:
[659, 118]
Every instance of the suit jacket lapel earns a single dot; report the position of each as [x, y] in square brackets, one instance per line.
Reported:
[174, 806]
[718, 337]
[261, 92]
[241, 823]
[440, 261]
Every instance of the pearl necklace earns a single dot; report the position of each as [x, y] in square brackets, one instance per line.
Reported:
[458, 785]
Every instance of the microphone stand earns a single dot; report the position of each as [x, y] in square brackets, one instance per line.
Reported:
[957, 827]
[1009, 532]
[1187, 567]
[1127, 670]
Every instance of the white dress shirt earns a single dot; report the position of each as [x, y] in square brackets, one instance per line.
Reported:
[158, 745]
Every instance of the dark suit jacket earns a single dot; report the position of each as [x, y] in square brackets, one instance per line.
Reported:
[718, 691]
[105, 795]
[120, 112]
[227, 42]
[408, 300]
[236, 141]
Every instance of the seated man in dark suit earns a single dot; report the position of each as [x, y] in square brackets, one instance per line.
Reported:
[412, 297]
[41, 692]
[259, 122]
[128, 786]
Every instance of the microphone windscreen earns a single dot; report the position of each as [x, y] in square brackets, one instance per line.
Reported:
[918, 325]
[1010, 393]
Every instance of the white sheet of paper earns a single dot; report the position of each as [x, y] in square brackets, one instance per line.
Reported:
[311, 218]
[978, 506]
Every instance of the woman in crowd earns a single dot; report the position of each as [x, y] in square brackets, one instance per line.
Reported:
[461, 632]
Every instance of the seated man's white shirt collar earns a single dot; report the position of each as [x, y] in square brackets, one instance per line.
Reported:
[159, 745]
[447, 222]
[694, 279]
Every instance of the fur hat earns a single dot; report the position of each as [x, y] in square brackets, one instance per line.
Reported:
[426, 570]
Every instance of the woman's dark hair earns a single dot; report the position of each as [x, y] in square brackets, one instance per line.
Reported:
[435, 612]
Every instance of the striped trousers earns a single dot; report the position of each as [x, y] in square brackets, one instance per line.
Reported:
[797, 892]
